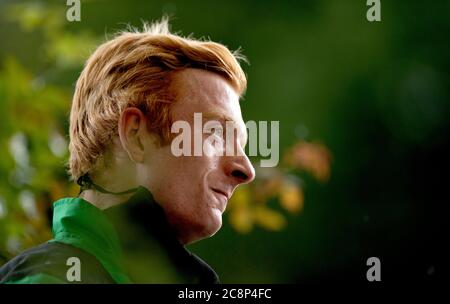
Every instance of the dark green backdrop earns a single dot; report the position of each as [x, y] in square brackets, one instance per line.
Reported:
[376, 94]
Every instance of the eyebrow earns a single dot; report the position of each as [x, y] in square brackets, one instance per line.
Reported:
[217, 116]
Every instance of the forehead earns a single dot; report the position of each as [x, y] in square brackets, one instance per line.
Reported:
[200, 91]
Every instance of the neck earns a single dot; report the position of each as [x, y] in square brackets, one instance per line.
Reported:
[106, 186]
[103, 200]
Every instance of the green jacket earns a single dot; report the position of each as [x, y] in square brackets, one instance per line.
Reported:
[97, 239]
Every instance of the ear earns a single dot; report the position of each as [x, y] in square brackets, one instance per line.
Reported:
[132, 131]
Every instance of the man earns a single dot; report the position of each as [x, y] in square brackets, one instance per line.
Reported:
[140, 204]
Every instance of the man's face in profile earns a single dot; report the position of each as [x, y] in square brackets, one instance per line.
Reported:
[194, 190]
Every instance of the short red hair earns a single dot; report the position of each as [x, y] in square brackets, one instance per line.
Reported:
[134, 70]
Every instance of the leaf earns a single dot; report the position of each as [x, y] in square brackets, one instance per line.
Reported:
[240, 198]
[291, 197]
[314, 158]
[241, 219]
[269, 219]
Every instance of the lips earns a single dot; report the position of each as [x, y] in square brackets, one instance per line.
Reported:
[222, 193]
[222, 198]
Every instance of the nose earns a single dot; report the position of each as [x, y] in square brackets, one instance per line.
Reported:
[241, 169]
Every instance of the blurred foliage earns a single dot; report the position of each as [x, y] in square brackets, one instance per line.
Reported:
[62, 48]
[34, 139]
[250, 203]
[376, 94]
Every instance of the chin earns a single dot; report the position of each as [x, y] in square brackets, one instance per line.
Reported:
[201, 226]
[212, 225]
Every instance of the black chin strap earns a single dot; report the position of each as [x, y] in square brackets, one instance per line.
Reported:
[86, 183]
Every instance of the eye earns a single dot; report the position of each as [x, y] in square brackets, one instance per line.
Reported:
[218, 131]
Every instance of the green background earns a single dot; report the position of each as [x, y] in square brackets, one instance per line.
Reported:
[375, 93]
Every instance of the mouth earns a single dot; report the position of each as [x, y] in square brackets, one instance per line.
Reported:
[223, 198]
[221, 192]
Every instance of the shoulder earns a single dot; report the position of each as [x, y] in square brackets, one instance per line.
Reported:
[50, 263]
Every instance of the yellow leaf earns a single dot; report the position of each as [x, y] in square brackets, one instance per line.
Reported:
[73, 190]
[240, 198]
[269, 219]
[241, 219]
[291, 198]
[57, 190]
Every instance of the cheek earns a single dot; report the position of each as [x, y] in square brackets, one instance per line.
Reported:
[181, 186]
[189, 197]
[177, 181]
